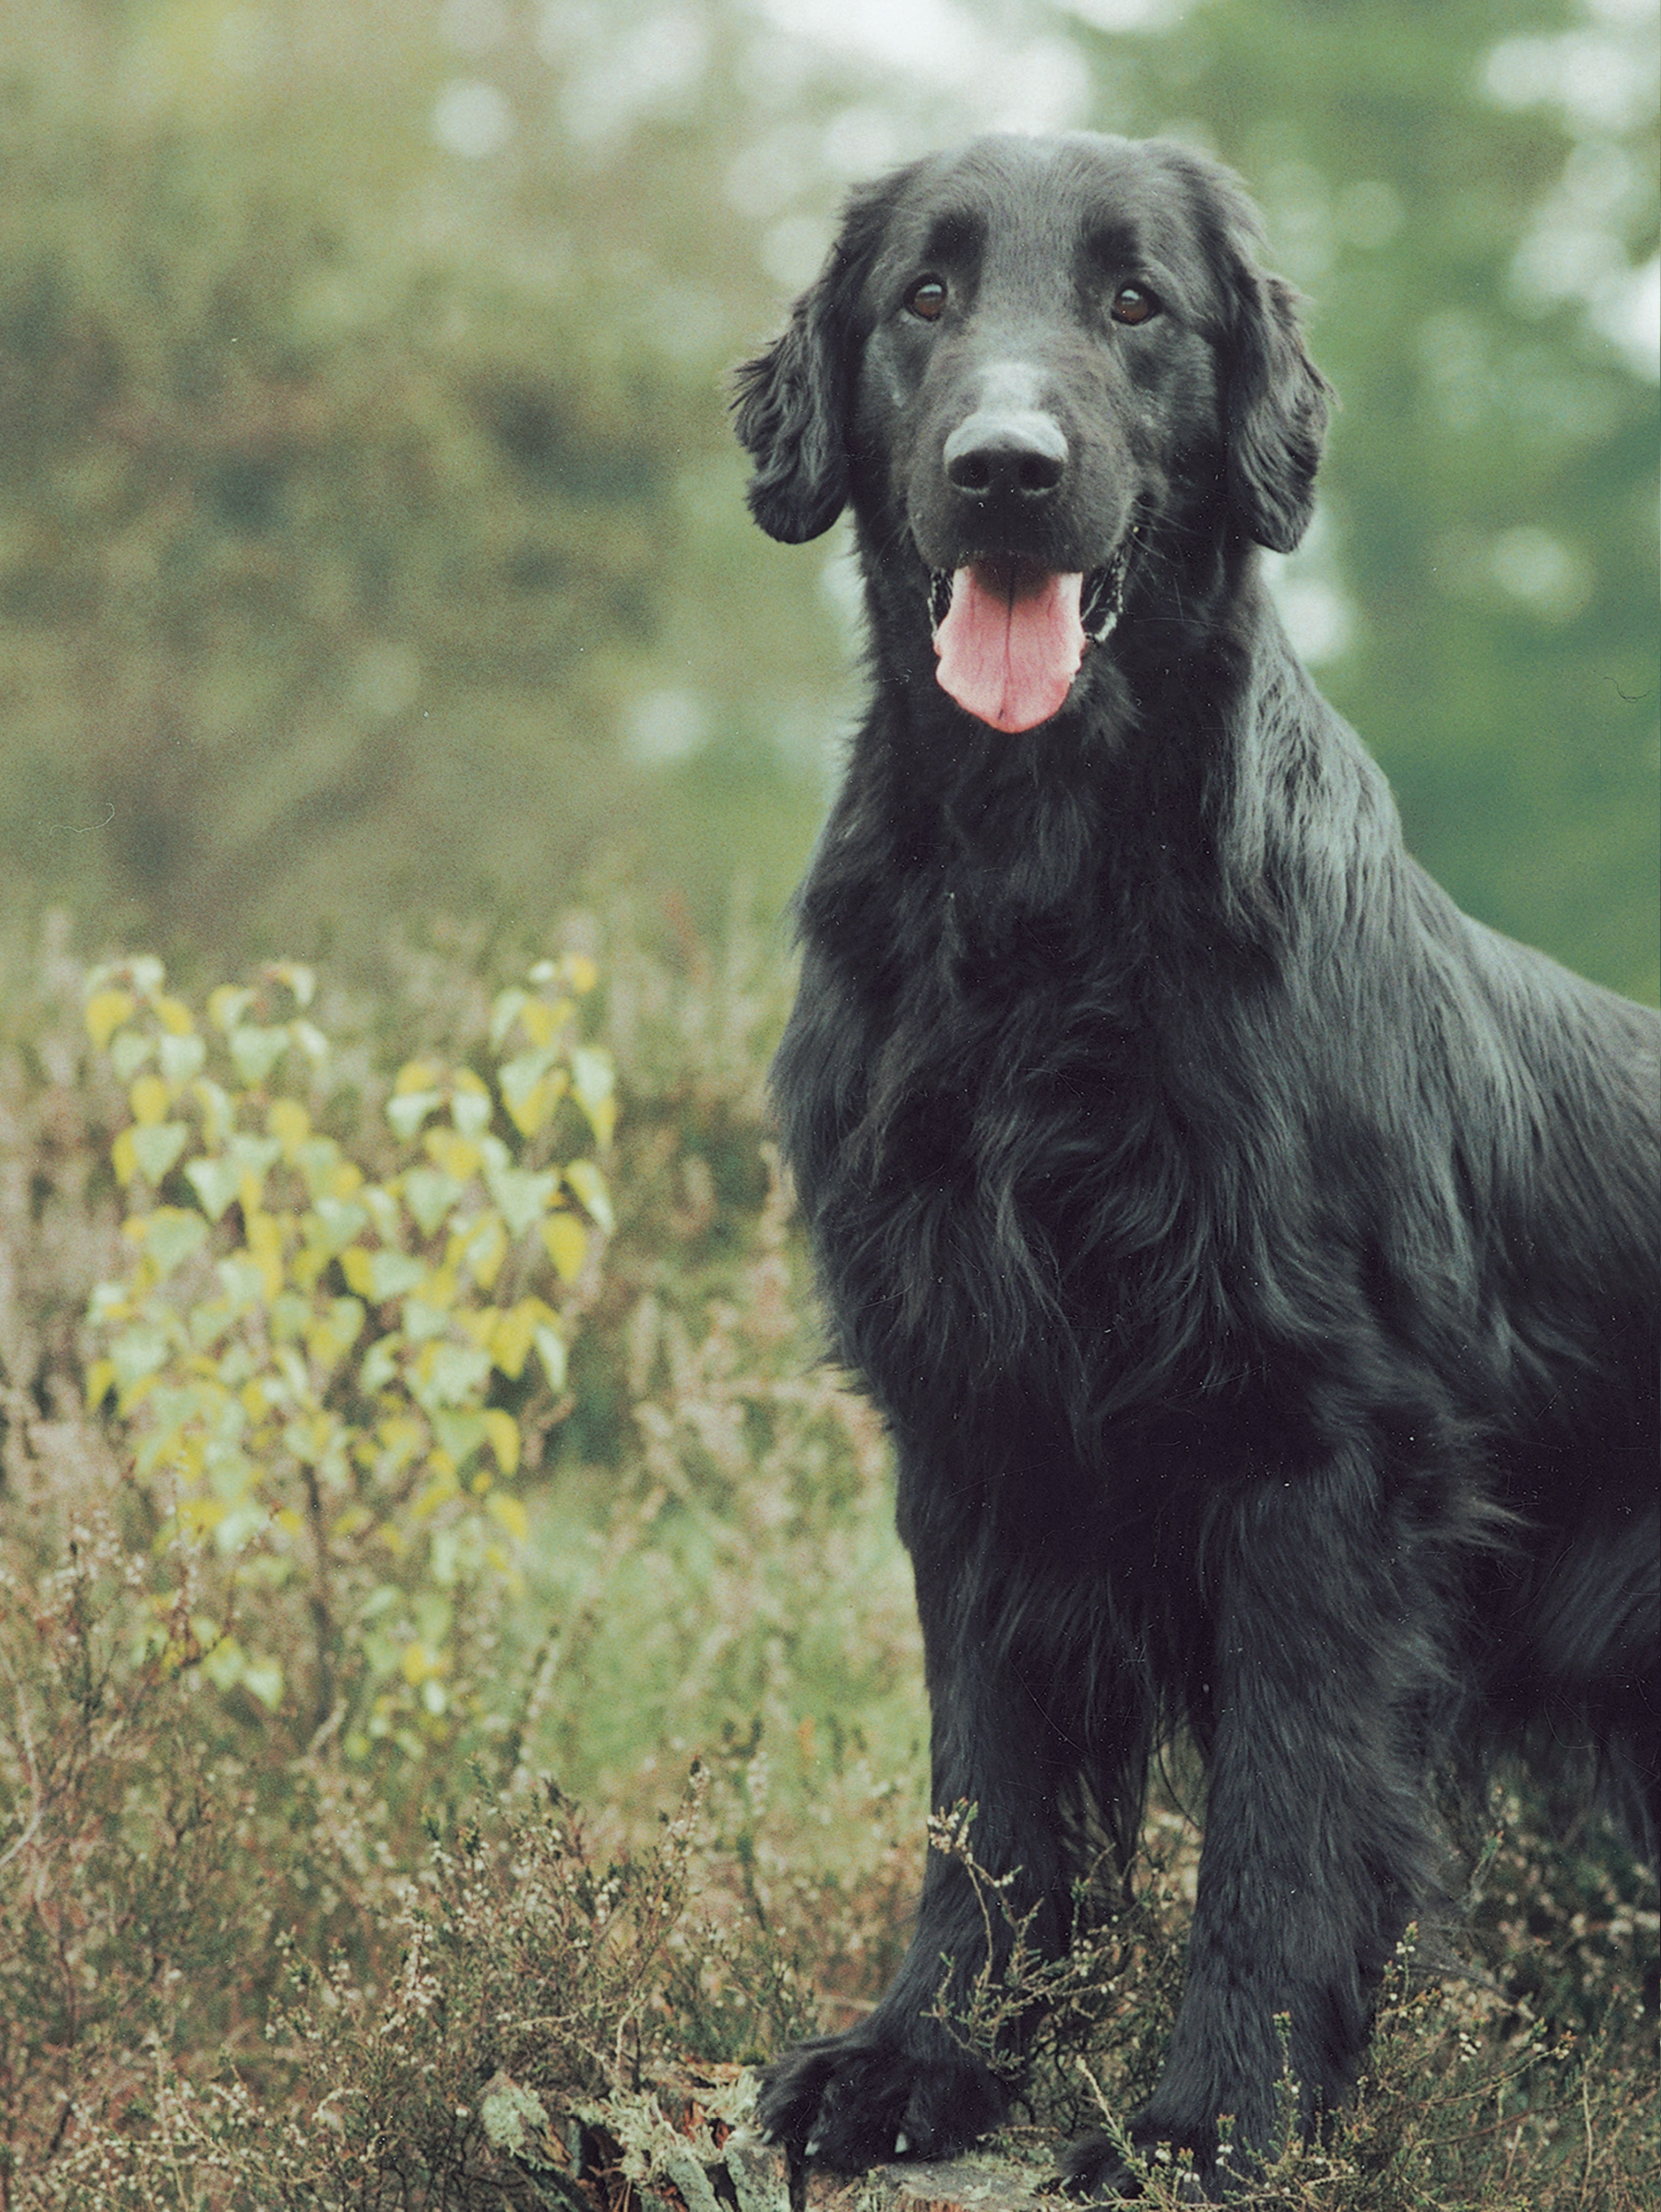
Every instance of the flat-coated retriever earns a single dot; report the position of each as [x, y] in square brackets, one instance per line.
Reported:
[1254, 1259]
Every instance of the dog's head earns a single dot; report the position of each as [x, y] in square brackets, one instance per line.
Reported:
[1019, 360]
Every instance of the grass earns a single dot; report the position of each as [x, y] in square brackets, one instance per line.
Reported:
[675, 1814]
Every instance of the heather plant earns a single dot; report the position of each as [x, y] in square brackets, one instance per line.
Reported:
[245, 1961]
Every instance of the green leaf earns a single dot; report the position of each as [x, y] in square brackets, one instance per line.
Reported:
[244, 1282]
[181, 1057]
[255, 1052]
[550, 1350]
[423, 1321]
[522, 1197]
[393, 1273]
[430, 1193]
[410, 1109]
[470, 1110]
[215, 1183]
[317, 1159]
[290, 1315]
[594, 1081]
[380, 1365]
[262, 1678]
[156, 1148]
[339, 1219]
[520, 1076]
[504, 1010]
[590, 1186]
[239, 1527]
[461, 1434]
[254, 1155]
[136, 1353]
[171, 1235]
[450, 1374]
[129, 1050]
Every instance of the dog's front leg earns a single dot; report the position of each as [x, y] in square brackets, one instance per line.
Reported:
[1317, 1846]
[903, 2083]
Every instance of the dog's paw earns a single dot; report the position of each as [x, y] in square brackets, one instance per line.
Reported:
[860, 2099]
[1095, 2170]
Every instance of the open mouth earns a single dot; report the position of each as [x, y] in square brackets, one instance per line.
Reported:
[1010, 635]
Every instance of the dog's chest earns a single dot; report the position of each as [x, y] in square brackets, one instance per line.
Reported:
[994, 1167]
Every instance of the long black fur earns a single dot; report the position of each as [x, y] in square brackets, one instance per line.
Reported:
[1253, 1258]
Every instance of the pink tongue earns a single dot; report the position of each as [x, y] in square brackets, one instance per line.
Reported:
[1011, 643]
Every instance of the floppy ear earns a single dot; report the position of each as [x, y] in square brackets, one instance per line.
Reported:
[1277, 406]
[792, 404]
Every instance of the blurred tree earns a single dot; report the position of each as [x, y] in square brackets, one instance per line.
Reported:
[347, 476]
[371, 540]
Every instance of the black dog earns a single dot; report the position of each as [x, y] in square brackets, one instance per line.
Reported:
[1253, 1258]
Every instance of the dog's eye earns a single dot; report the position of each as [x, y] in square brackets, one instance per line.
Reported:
[1134, 303]
[927, 299]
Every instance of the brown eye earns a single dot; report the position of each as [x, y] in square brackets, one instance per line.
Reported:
[926, 300]
[1134, 303]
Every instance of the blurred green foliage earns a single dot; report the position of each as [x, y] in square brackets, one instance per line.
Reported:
[1460, 190]
[372, 544]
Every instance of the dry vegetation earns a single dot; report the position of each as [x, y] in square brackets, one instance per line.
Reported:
[253, 1953]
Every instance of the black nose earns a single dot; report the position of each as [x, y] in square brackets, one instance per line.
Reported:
[1006, 453]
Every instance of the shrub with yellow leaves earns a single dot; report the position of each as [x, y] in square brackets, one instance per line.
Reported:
[332, 1343]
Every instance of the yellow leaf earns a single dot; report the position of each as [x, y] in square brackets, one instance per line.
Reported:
[510, 1335]
[566, 1241]
[264, 1242]
[149, 1100]
[105, 1011]
[299, 978]
[290, 1124]
[506, 1508]
[540, 1021]
[485, 1251]
[417, 1075]
[418, 1663]
[453, 1153]
[580, 972]
[356, 1267]
[344, 1178]
[502, 1430]
[123, 1158]
[101, 1381]
[439, 1489]
[173, 1015]
[530, 1112]
[226, 1005]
